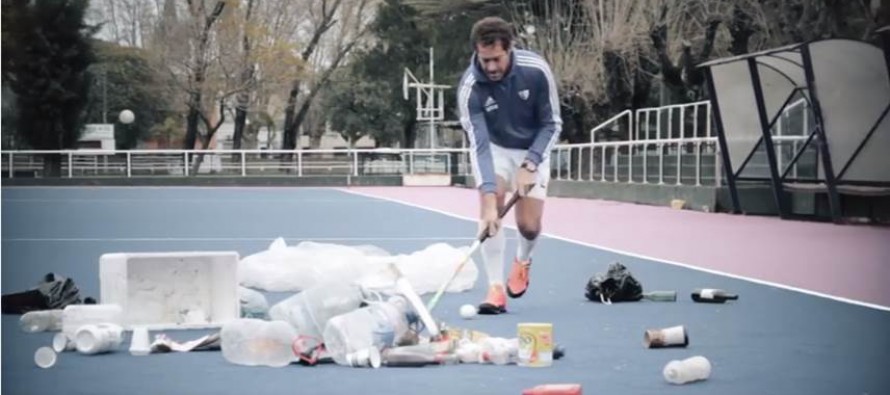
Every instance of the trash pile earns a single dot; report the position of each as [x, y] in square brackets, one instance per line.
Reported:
[352, 306]
[618, 284]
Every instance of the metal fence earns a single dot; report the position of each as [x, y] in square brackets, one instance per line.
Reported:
[243, 163]
[672, 145]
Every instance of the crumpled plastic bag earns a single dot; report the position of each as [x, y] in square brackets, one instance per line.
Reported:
[616, 285]
[283, 268]
[253, 304]
[54, 292]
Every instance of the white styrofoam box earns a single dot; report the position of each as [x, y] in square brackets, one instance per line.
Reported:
[171, 290]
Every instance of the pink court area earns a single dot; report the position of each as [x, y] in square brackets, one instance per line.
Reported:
[845, 262]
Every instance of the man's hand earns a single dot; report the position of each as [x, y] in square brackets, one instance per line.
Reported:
[526, 177]
[488, 218]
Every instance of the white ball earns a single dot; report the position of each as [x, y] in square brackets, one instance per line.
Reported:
[126, 116]
[467, 311]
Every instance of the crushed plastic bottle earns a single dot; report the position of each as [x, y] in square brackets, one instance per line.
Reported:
[500, 351]
[254, 342]
[41, 321]
[354, 331]
[309, 311]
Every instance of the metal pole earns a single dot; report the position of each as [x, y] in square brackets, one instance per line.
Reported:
[104, 94]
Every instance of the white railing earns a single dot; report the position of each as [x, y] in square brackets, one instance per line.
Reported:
[686, 161]
[683, 151]
[615, 122]
[244, 163]
[673, 121]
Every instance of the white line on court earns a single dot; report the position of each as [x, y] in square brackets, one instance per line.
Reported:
[192, 239]
[180, 200]
[640, 256]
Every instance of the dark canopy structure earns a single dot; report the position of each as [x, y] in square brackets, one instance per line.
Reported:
[846, 89]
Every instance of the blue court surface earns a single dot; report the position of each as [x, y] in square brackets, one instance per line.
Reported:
[770, 341]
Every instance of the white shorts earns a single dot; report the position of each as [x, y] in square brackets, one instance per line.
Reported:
[506, 164]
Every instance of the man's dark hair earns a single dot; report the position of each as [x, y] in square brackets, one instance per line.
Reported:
[490, 30]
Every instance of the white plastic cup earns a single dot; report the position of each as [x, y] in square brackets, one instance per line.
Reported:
[674, 336]
[139, 342]
[369, 357]
[96, 339]
[688, 370]
[45, 357]
[61, 343]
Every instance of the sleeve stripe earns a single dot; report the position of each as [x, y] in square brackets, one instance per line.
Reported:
[529, 61]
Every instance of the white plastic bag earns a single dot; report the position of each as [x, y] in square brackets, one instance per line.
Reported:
[253, 304]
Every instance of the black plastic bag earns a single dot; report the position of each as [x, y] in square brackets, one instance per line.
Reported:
[616, 285]
[55, 292]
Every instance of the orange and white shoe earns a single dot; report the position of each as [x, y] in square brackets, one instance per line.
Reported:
[495, 302]
[517, 282]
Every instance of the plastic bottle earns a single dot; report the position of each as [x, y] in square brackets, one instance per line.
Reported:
[710, 295]
[500, 351]
[688, 370]
[309, 311]
[433, 353]
[254, 342]
[98, 338]
[42, 320]
[348, 333]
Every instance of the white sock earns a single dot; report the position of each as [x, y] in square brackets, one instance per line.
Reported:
[524, 249]
[493, 256]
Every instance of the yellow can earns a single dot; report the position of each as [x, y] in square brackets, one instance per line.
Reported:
[535, 344]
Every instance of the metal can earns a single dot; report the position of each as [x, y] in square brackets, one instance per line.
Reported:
[535, 344]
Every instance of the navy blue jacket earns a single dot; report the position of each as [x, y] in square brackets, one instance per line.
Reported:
[521, 111]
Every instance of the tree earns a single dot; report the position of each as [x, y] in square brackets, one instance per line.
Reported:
[358, 108]
[325, 51]
[367, 98]
[124, 79]
[48, 52]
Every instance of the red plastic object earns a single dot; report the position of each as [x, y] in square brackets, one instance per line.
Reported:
[553, 389]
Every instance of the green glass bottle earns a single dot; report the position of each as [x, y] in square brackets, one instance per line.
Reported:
[661, 296]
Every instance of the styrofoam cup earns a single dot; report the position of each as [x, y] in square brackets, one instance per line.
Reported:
[674, 336]
[139, 342]
[45, 357]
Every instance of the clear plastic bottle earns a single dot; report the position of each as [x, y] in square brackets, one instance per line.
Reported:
[42, 320]
[687, 370]
[500, 351]
[433, 353]
[355, 330]
[254, 342]
[309, 311]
